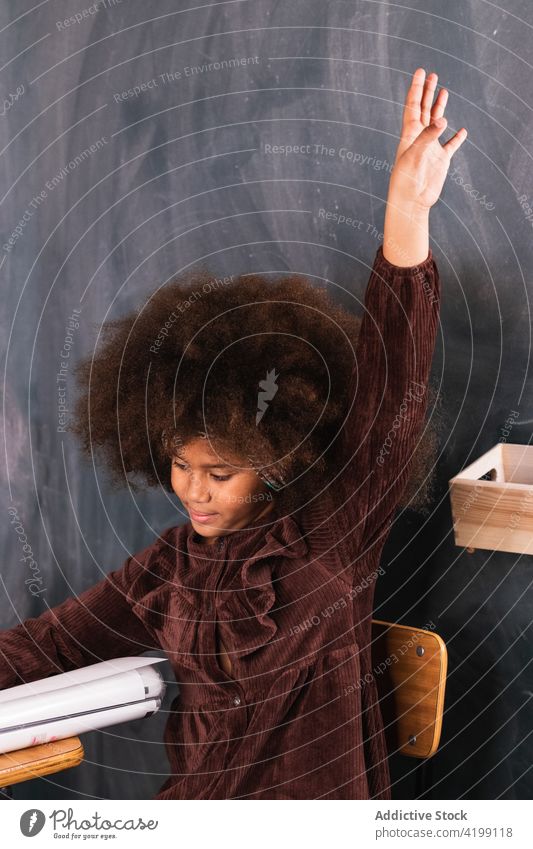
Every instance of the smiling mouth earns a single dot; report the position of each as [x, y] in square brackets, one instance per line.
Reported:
[196, 515]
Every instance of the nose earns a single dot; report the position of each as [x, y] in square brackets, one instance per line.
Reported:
[197, 489]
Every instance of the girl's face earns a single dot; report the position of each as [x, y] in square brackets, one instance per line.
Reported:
[219, 498]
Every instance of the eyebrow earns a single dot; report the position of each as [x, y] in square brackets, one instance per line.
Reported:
[207, 465]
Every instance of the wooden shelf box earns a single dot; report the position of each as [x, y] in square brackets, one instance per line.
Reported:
[492, 500]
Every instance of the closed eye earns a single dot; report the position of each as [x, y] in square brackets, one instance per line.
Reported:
[216, 477]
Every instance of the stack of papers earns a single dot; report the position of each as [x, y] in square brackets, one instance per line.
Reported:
[81, 700]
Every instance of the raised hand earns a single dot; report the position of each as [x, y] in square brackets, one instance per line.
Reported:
[419, 172]
[422, 162]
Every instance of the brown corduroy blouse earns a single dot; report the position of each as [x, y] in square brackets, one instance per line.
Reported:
[292, 598]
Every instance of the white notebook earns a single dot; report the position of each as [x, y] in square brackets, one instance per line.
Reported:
[81, 700]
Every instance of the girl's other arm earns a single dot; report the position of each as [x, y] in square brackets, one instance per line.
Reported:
[96, 625]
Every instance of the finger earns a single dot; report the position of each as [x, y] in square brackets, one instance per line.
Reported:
[414, 95]
[427, 98]
[453, 145]
[440, 104]
[429, 134]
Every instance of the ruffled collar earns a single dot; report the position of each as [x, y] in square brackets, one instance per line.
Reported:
[237, 542]
[246, 597]
[274, 535]
[246, 605]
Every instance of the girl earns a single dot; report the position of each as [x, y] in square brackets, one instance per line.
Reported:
[290, 451]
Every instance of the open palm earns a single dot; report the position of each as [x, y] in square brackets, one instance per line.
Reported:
[421, 162]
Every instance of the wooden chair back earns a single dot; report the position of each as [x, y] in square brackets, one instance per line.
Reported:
[410, 666]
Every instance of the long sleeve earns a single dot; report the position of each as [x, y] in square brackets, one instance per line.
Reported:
[388, 403]
[389, 390]
[96, 625]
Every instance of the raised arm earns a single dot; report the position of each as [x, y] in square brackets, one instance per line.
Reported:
[389, 391]
[96, 625]
[388, 388]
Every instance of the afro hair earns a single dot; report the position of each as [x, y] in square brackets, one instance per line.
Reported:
[191, 361]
